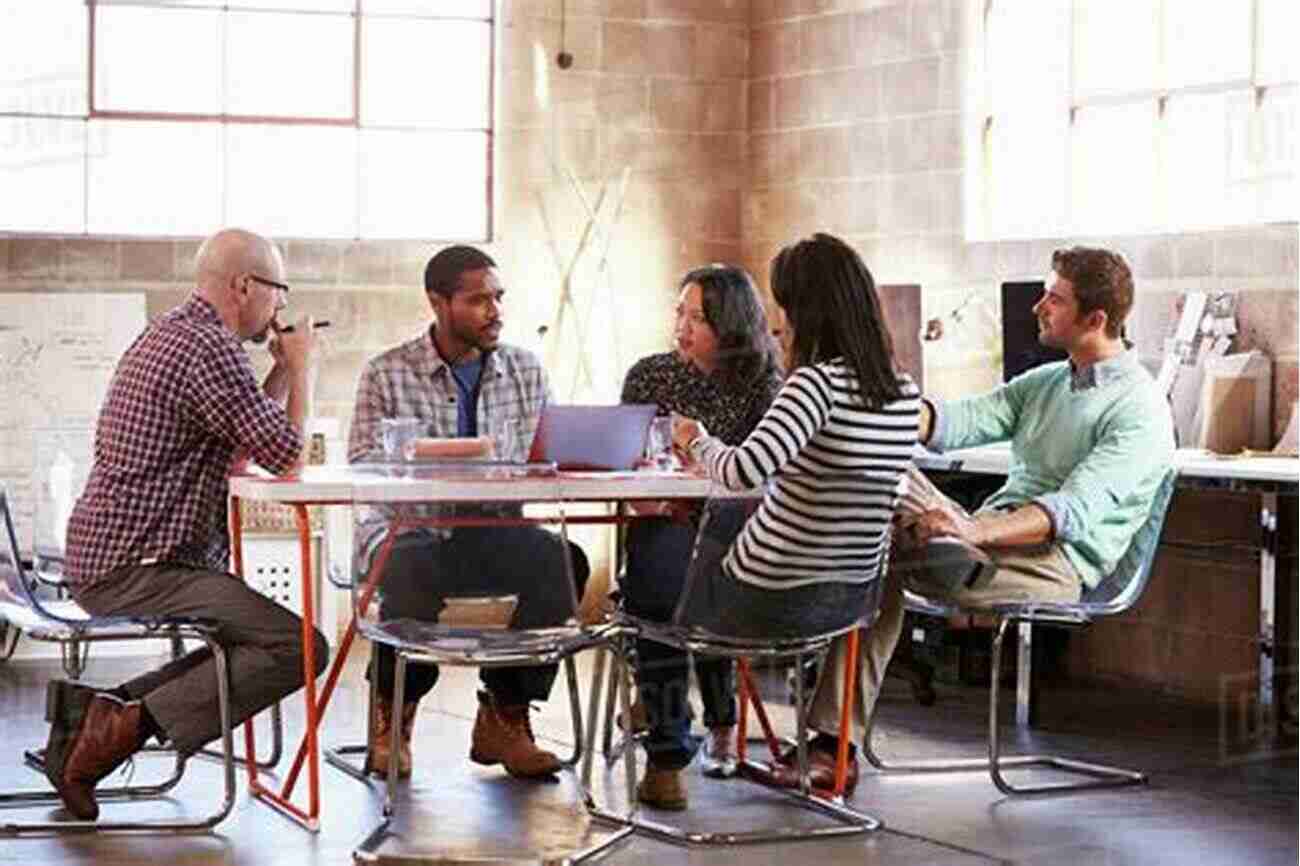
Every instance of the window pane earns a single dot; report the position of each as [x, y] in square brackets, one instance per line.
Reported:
[154, 178]
[1027, 174]
[1196, 162]
[1115, 43]
[298, 181]
[1207, 43]
[1276, 56]
[43, 57]
[289, 65]
[305, 5]
[425, 73]
[1027, 55]
[1263, 158]
[423, 185]
[42, 175]
[1113, 162]
[444, 8]
[165, 60]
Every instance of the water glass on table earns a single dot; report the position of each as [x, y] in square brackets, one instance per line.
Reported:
[396, 434]
[659, 454]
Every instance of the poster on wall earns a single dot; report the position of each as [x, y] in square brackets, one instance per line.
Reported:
[58, 353]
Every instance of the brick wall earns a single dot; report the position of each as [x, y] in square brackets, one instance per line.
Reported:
[855, 121]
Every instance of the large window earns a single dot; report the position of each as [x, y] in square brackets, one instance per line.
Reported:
[297, 118]
[1127, 116]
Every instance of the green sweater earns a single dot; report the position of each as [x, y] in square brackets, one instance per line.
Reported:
[1089, 446]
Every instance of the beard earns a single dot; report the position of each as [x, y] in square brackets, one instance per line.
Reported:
[483, 338]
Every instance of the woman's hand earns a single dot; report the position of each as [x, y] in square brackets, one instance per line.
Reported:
[685, 431]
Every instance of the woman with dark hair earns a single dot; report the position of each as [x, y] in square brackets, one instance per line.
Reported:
[724, 370]
[831, 449]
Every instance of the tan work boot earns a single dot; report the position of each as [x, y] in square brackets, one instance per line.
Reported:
[662, 789]
[504, 735]
[381, 732]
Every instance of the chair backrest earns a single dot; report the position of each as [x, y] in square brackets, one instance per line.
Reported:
[458, 567]
[18, 583]
[1120, 590]
[842, 557]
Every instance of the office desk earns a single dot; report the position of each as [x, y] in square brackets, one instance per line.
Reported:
[344, 485]
[1266, 476]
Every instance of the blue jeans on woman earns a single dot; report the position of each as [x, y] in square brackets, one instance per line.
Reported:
[659, 551]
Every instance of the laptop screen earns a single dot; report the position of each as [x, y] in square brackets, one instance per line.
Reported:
[592, 437]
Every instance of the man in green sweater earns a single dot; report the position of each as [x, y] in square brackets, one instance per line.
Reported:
[1090, 437]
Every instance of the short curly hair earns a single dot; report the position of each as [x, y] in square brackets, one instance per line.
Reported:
[1102, 281]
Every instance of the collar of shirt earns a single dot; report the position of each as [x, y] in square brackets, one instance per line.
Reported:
[430, 361]
[1103, 372]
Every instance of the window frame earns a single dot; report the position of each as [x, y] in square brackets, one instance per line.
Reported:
[358, 16]
[980, 118]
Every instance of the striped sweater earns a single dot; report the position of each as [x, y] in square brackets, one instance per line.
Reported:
[834, 469]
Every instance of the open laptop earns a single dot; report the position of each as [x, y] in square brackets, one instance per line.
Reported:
[592, 437]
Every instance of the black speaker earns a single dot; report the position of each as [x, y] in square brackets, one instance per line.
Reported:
[1021, 350]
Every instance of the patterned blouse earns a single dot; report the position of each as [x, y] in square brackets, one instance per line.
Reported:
[727, 412]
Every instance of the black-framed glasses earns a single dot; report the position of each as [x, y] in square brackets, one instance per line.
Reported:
[284, 287]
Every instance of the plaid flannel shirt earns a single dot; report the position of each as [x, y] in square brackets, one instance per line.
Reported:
[413, 381]
[182, 406]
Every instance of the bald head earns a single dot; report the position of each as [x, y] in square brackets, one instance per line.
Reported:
[236, 272]
[235, 251]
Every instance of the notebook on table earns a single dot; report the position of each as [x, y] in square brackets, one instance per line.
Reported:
[592, 437]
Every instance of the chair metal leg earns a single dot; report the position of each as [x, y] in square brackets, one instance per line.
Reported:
[849, 821]
[1100, 775]
[340, 757]
[135, 792]
[277, 745]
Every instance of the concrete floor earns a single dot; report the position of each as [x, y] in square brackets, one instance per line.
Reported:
[1199, 807]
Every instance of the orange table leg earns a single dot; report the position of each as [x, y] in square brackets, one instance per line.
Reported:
[846, 711]
[345, 646]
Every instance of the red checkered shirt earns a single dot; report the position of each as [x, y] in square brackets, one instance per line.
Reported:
[182, 405]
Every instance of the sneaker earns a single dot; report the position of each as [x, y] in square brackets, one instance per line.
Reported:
[718, 759]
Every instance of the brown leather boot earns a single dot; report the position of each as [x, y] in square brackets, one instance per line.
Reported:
[504, 735]
[662, 789]
[381, 731]
[110, 731]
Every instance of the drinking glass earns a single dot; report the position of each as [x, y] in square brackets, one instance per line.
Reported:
[395, 433]
[659, 444]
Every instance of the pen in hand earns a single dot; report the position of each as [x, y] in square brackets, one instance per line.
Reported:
[323, 323]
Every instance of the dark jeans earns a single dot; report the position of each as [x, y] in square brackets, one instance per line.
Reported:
[659, 551]
[497, 560]
[262, 640]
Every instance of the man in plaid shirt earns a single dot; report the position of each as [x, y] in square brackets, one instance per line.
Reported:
[458, 380]
[148, 535]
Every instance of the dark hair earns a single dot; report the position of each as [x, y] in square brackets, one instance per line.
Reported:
[746, 349]
[1102, 281]
[832, 310]
[442, 273]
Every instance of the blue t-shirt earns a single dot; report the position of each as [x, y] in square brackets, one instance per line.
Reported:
[467, 376]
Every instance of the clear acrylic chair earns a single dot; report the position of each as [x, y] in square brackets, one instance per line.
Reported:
[484, 627]
[66, 623]
[1116, 593]
[719, 521]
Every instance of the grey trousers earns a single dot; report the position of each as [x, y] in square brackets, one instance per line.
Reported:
[262, 640]
[1042, 574]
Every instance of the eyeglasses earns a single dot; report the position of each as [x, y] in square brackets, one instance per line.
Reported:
[284, 287]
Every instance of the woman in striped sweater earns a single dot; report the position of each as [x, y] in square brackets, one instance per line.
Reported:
[831, 449]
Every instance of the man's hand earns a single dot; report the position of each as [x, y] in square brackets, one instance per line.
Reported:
[296, 350]
[946, 521]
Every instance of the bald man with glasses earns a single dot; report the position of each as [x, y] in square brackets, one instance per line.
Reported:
[148, 535]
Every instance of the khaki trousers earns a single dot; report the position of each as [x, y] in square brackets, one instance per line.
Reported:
[1035, 574]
